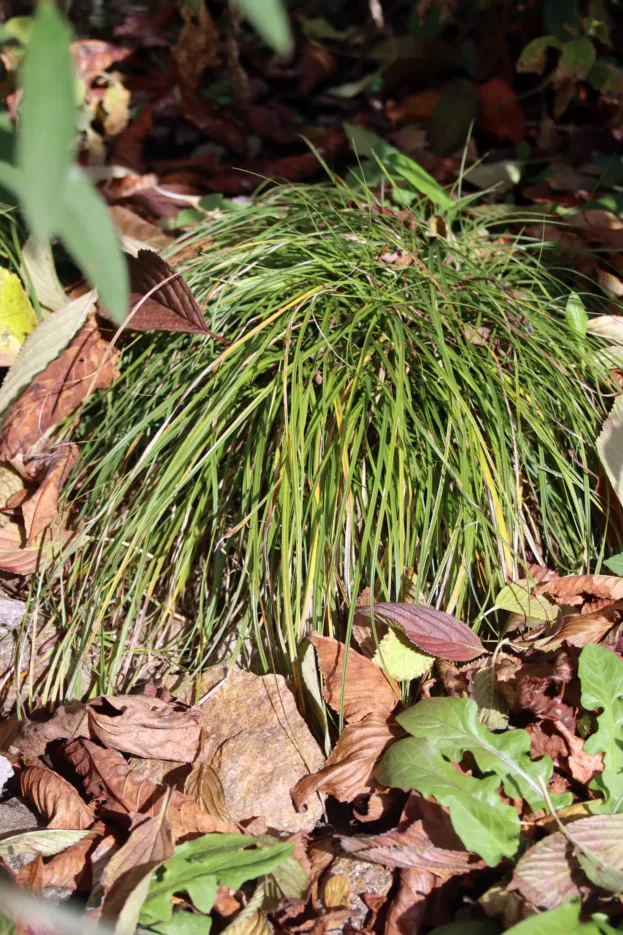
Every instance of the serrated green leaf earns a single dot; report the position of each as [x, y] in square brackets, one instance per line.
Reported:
[601, 675]
[90, 236]
[199, 866]
[517, 599]
[576, 59]
[576, 316]
[615, 564]
[44, 344]
[270, 19]
[47, 128]
[534, 56]
[400, 659]
[483, 822]
[565, 920]
[453, 725]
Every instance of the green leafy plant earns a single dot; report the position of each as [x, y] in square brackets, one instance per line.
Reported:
[601, 675]
[56, 197]
[443, 730]
[197, 869]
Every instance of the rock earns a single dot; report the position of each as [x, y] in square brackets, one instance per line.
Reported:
[11, 614]
[364, 877]
[16, 818]
[260, 746]
[6, 772]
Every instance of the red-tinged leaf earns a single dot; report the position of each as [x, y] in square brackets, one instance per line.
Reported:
[365, 691]
[20, 559]
[170, 307]
[500, 111]
[432, 631]
[571, 588]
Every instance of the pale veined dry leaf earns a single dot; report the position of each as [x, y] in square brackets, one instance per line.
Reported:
[366, 691]
[137, 234]
[577, 630]
[17, 317]
[38, 267]
[128, 872]
[610, 447]
[147, 727]
[610, 284]
[10, 484]
[203, 785]
[399, 658]
[492, 708]
[431, 630]
[44, 344]
[349, 770]
[549, 874]
[609, 327]
[55, 799]
[119, 789]
[255, 924]
[336, 892]
[44, 841]
[71, 868]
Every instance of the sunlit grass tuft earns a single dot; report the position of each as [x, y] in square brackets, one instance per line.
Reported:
[369, 421]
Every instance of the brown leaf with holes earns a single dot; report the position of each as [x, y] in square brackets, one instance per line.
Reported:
[573, 589]
[55, 799]
[68, 721]
[424, 839]
[87, 364]
[147, 727]
[366, 691]
[349, 770]
[118, 788]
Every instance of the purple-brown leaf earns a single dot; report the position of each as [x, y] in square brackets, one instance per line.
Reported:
[432, 631]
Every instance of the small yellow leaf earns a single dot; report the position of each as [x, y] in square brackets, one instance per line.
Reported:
[400, 659]
[337, 892]
[17, 316]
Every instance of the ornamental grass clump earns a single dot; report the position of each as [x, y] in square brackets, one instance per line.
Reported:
[401, 400]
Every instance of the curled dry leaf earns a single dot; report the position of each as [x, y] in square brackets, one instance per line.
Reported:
[549, 874]
[71, 868]
[55, 799]
[67, 722]
[147, 727]
[87, 364]
[424, 840]
[203, 785]
[118, 788]
[578, 630]
[41, 509]
[365, 693]
[136, 233]
[406, 913]
[432, 631]
[349, 770]
[583, 766]
[571, 588]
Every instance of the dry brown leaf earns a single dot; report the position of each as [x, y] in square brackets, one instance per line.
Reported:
[31, 876]
[349, 770]
[197, 46]
[424, 840]
[147, 727]
[15, 557]
[578, 630]
[41, 509]
[582, 766]
[366, 692]
[336, 892]
[203, 785]
[67, 722]
[137, 230]
[71, 868]
[149, 845]
[87, 364]
[118, 788]
[55, 799]
[569, 588]
[406, 913]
